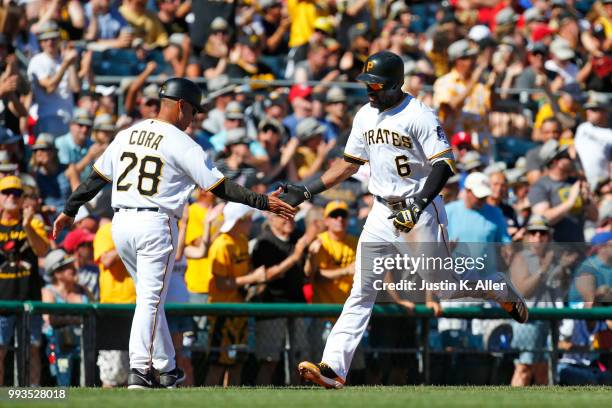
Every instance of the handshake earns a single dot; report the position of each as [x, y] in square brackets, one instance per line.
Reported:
[284, 200]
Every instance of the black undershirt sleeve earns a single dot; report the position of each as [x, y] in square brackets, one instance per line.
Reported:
[230, 191]
[440, 173]
[86, 191]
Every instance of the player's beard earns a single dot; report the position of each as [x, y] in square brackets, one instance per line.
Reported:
[383, 100]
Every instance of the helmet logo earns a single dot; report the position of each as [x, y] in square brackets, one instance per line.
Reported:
[369, 66]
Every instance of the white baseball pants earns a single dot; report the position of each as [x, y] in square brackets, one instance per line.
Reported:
[146, 241]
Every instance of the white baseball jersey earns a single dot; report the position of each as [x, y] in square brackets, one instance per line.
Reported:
[401, 144]
[154, 164]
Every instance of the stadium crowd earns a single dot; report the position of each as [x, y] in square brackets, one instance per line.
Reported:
[522, 89]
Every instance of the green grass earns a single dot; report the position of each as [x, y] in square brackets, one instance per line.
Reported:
[350, 397]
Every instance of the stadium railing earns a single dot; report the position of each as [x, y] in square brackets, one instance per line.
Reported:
[92, 314]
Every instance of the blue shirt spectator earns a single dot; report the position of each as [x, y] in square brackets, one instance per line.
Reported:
[109, 20]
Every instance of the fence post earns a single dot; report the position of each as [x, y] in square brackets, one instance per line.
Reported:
[23, 349]
[88, 349]
[288, 350]
[425, 350]
[554, 355]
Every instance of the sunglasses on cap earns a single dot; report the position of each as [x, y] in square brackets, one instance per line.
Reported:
[375, 86]
[12, 191]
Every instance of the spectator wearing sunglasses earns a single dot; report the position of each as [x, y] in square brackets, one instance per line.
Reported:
[22, 240]
[73, 147]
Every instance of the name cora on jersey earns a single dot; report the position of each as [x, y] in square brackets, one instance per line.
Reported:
[146, 139]
[386, 136]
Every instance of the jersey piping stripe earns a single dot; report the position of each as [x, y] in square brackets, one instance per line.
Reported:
[160, 294]
[100, 174]
[443, 152]
[442, 228]
[216, 184]
[359, 159]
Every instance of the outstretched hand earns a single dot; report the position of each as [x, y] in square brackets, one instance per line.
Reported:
[61, 222]
[280, 207]
[294, 194]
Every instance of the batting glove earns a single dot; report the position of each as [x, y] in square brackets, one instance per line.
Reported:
[405, 220]
[294, 194]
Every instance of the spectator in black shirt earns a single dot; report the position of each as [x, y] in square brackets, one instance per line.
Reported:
[280, 251]
[245, 62]
[211, 61]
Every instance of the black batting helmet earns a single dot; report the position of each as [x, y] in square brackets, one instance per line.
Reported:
[182, 88]
[384, 68]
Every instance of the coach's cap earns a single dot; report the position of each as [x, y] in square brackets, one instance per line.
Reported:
[6, 166]
[47, 30]
[506, 16]
[597, 100]
[55, 260]
[104, 122]
[552, 150]
[237, 136]
[461, 49]
[11, 183]
[538, 223]
[232, 213]
[44, 141]
[561, 49]
[478, 184]
[82, 117]
[336, 206]
[308, 128]
[218, 24]
[335, 94]
[471, 160]
[7, 136]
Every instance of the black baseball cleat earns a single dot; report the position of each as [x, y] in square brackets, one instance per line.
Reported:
[172, 378]
[141, 379]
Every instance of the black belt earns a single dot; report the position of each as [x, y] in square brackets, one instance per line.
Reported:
[398, 205]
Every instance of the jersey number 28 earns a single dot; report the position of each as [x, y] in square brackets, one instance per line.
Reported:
[149, 173]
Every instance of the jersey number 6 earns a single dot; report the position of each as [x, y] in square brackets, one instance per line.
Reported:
[150, 169]
[403, 168]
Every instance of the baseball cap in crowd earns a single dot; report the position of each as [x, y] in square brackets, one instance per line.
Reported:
[552, 150]
[251, 41]
[6, 166]
[82, 117]
[77, 237]
[397, 9]
[324, 24]
[533, 14]
[479, 33]
[506, 16]
[336, 206]
[357, 30]
[47, 30]
[299, 91]
[597, 100]
[471, 160]
[55, 260]
[11, 183]
[218, 24]
[516, 175]
[598, 31]
[478, 184]
[233, 111]
[461, 138]
[461, 49]
[7, 136]
[150, 93]
[538, 223]
[267, 123]
[561, 49]
[308, 128]
[266, 4]
[104, 122]
[44, 141]
[237, 136]
[219, 86]
[495, 167]
[541, 31]
[232, 213]
[537, 47]
[335, 94]
[275, 99]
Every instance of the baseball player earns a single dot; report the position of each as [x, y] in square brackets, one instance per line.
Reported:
[410, 161]
[153, 167]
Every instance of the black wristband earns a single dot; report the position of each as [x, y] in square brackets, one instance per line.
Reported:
[315, 187]
[230, 191]
[440, 173]
[86, 191]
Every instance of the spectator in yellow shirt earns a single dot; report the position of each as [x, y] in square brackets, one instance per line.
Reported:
[146, 24]
[231, 270]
